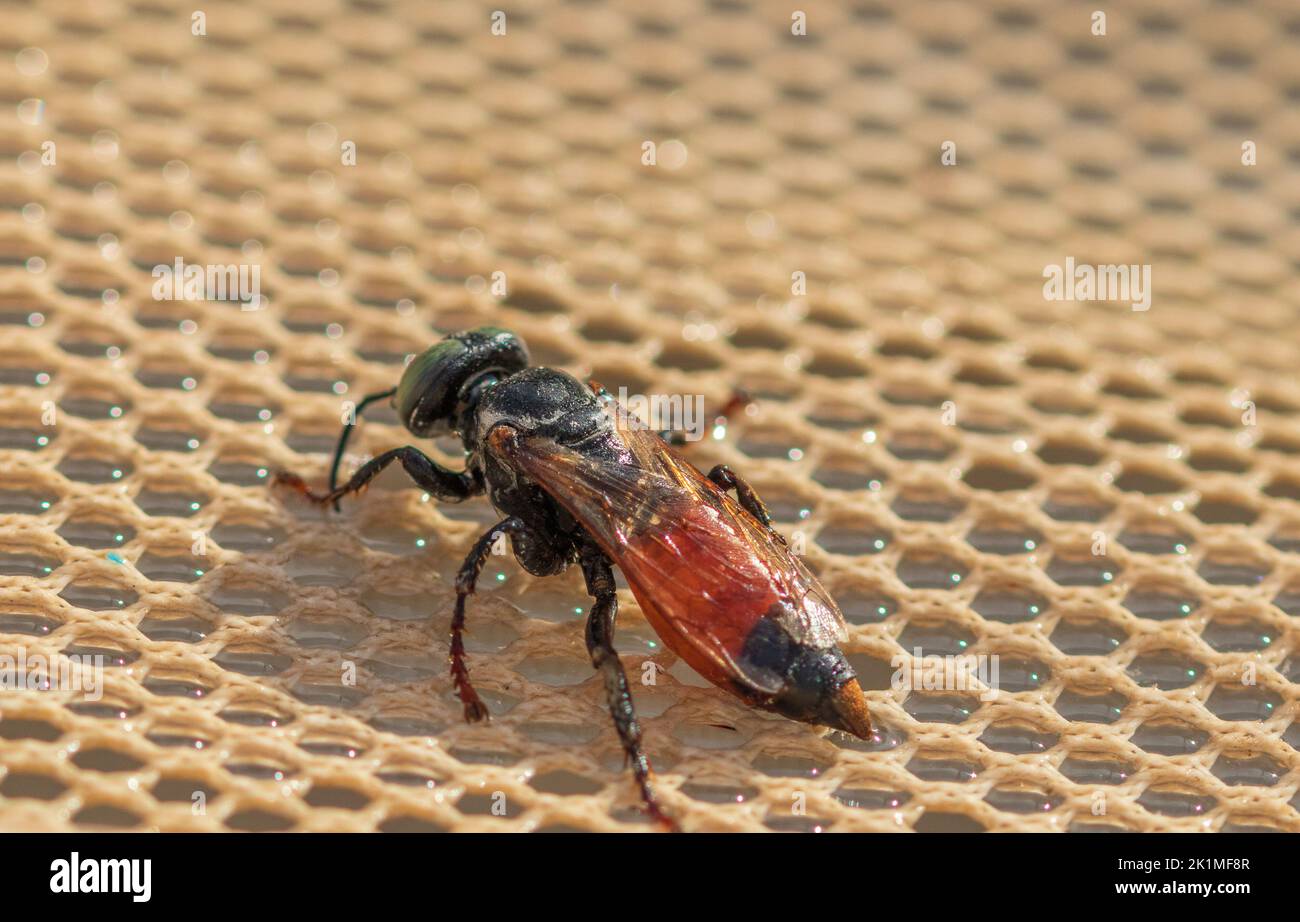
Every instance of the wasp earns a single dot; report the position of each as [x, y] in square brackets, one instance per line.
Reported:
[579, 480]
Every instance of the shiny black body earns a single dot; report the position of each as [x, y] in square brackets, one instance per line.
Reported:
[549, 403]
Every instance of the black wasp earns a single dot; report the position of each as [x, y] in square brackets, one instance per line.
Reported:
[579, 480]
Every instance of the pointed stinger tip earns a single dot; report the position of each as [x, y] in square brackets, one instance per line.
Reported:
[851, 708]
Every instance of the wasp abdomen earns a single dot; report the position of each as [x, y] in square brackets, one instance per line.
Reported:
[817, 683]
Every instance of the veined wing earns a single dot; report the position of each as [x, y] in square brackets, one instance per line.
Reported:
[702, 567]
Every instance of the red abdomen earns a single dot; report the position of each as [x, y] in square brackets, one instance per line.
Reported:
[690, 581]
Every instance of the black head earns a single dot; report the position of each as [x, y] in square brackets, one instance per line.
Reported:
[442, 383]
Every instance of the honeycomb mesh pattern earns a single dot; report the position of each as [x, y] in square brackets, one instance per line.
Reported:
[1104, 498]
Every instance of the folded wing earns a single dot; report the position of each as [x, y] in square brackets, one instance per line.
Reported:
[699, 564]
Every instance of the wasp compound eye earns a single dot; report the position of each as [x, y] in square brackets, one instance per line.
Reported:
[436, 383]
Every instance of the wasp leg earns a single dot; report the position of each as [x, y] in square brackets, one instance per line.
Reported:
[724, 477]
[600, 644]
[438, 481]
[475, 709]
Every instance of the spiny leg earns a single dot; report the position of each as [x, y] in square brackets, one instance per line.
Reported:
[475, 709]
[444, 484]
[348, 426]
[728, 479]
[600, 644]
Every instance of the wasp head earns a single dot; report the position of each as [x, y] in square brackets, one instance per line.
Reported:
[441, 385]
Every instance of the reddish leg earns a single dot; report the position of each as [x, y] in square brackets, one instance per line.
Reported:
[475, 709]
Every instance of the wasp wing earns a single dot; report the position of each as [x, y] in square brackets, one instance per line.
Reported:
[689, 551]
[812, 617]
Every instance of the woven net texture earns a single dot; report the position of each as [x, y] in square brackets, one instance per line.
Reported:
[1107, 500]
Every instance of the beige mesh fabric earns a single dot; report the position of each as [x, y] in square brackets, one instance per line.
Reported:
[1103, 498]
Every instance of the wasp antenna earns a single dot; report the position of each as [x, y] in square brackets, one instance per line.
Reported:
[348, 426]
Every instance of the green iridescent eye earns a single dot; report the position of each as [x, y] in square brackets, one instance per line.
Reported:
[428, 393]
[422, 370]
